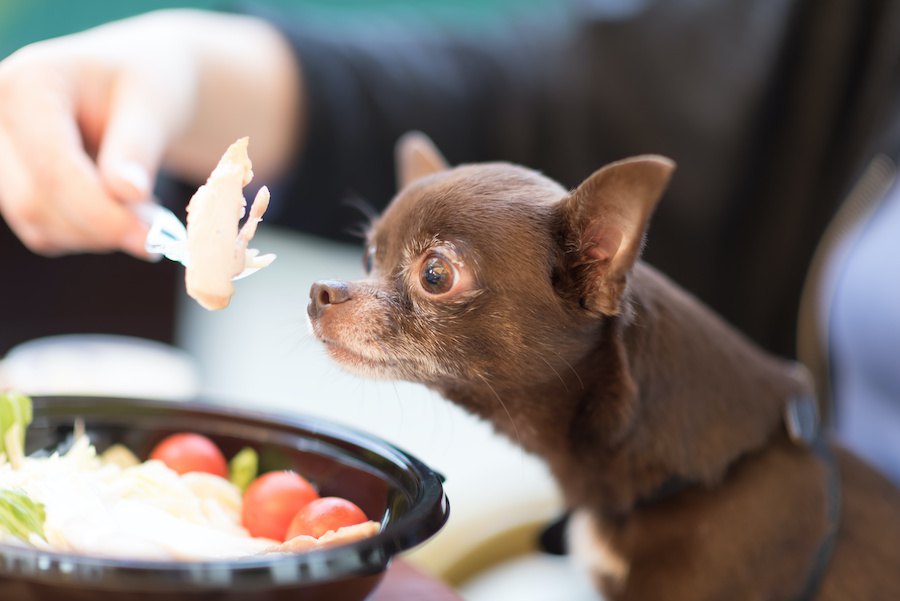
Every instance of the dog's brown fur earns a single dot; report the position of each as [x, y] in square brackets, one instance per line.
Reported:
[619, 380]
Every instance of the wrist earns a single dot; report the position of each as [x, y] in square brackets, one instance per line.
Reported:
[249, 83]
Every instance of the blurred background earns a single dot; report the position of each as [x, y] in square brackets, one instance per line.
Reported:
[24, 21]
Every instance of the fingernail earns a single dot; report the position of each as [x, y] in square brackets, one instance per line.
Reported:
[135, 176]
[134, 243]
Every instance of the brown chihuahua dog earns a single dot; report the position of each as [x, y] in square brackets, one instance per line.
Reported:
[664, 427]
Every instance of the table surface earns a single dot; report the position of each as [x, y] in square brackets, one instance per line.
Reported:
[403, 582]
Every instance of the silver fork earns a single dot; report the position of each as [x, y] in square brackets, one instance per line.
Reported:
[168, 237]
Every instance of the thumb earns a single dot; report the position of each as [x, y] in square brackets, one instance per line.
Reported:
[133, 143]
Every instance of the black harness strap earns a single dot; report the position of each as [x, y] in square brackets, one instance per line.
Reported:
[802, 421]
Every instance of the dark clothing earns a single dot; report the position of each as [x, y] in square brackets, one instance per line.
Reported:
[110, 294]
[771, 110]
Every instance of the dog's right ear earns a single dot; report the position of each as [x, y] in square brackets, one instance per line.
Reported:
[604, 221]
[417, 156]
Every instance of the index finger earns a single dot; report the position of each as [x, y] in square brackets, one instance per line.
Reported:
[67, 201]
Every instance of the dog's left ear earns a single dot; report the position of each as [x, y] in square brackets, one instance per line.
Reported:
[417, 156]
[605, 219]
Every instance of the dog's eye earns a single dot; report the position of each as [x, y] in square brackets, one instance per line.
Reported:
[438, 275]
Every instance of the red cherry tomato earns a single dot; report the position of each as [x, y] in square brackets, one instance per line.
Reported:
[272, 500]
[188, 452]
[324, 514]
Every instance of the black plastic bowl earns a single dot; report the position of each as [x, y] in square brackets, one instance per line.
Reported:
[385, 482]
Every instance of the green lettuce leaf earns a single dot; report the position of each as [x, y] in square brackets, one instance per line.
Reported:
[243, 467]
[15, 408]
[20, 515]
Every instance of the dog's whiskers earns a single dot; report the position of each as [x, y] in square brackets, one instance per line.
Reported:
[369, 213]
[509, 416]
[570, 366]
[553, 369]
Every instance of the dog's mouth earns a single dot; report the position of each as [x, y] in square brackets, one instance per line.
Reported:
[356, 359]
[368, 354]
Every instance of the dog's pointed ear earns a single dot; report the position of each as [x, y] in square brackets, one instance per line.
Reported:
[417, 156]
[605, 219]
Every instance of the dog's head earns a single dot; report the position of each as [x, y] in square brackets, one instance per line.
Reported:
[488, 273]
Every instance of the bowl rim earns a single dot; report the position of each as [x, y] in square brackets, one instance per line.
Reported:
[427, 514]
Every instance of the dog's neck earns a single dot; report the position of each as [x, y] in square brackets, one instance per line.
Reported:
[668, 393]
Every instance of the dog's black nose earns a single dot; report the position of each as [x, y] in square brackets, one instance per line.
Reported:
[324, 293]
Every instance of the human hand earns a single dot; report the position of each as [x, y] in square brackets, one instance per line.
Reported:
[86, 120]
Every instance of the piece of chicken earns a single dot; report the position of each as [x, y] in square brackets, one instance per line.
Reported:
[217, 251]
[341, 536]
